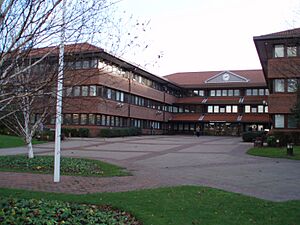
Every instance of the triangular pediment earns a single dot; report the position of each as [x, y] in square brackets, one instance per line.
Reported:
[226, 77]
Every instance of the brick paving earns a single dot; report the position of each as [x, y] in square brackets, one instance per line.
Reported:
[157, 161]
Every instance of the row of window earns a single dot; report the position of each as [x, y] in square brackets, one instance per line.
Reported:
[285, 51]
[224, 92]
[222, 109]
[103, 120]
[256, 92]
[230, 92]
[235, 109]
[256, 109]
[279, 121]
[116, 70]
[285, 85]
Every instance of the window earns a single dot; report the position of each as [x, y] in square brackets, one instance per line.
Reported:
[94, 63]
[292, 85]
[278, 51]
[77, 64]
[85, 64]
[222, 110]
[224, 92]
[108, 93]
[279, 85]
[266, 91]
[93, 90]
[260, 109]
[291, 51]
[235, 109]
[228, 108]
[84, 90]
[83, 119]
[76, 119]
[230, 92]
[212, 93]
[247, 108]
[248, 92]
[292, 123]
[69, 91]
[77, 91]
[255, 92]
[254, 110]
[261, 92]
[92, 119]
[201, 92]
[67, 119]
[236, 92]
[266, 109]
[279, 121]
[219, 92]
[210, 109]
[216, 109]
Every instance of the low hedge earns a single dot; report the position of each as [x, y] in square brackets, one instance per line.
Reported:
[75, 132]
[284, 138]
[250, 136]
[120, 132]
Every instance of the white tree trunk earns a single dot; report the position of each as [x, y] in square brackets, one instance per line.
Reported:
[30, 150]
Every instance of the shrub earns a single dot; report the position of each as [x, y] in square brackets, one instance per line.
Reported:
[284, 137]
[74, 132]
[271, 140]
[250, 136]
[120, 132]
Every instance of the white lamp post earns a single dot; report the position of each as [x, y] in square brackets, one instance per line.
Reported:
[59, 99]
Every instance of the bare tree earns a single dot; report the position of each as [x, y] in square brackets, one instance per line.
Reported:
[29, 68]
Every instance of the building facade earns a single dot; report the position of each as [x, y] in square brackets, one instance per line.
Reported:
[279, 54]
[103, 91]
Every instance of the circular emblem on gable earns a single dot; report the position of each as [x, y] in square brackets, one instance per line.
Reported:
[226, 77]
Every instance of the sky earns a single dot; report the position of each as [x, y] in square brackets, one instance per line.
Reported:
[206, 35]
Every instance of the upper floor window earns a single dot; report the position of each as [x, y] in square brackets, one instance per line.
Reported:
[292, 85]
[291, 51]
[278, 51]
[279, 85]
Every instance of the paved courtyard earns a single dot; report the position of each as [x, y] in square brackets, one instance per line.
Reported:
[157, 161]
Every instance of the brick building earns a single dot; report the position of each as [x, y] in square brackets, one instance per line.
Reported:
[279, 54]
[101, 91]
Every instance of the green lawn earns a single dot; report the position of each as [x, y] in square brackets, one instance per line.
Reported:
[69, 166]
[7, 141]
[274, 152]
[183, 205]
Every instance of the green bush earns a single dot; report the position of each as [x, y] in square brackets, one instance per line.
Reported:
[74, 132]
[284, 137]
[271, 140]
[120, 132]
[250, 136]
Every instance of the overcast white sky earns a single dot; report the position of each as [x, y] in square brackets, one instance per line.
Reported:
[205, 35]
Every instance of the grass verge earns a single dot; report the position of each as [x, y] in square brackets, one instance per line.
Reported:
[7, 141]
[272, 152]
[183, 205]
[69, 166]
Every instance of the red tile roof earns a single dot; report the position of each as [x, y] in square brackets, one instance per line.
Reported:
[256, 118]
[197, 79]
[186, 117]
[223, 100]
[220, 118]
[282, 34]
[255, 99]
[71, 48]
[195, 100]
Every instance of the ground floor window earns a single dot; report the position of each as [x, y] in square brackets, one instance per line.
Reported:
[292, 123]
[279, 121]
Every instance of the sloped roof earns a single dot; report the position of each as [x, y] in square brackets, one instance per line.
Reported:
[71, 48]
[292, 33]
[256, 118]
[194, 79]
